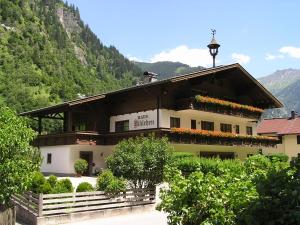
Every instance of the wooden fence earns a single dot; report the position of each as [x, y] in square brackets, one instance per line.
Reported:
[54, 204]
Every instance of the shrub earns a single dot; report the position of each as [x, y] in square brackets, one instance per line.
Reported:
[188, 165]
[140, 160]
[110, 184]
[80, 166]
[84, 186]
[37, 182]
[46, 188]
[280, 157]
[52, 180]
[63, 186]
[181, 155]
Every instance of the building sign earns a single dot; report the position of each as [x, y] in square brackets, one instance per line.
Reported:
[137, 121]
[143, 121]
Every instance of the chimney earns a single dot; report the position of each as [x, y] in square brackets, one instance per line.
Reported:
[149, 77]
[293, 114]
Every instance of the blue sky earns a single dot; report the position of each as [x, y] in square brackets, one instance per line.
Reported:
[263, 36]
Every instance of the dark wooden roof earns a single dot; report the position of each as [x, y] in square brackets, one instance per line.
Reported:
[274, 102]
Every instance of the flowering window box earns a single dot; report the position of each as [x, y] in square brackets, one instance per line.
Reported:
[225, 107]
[194, 136]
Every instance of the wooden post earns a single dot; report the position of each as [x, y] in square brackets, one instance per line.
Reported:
[40, 125]
[40, 212]
[67, 121]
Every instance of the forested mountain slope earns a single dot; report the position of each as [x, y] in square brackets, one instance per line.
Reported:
[48, 55]
[285, 85]
[167, 69]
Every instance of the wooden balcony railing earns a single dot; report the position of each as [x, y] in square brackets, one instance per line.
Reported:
[69, 138]
[175, 135]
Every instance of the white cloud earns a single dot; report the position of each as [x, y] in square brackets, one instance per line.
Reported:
[273, 57]
[240, 58]
[291, 51]
[133, 58]
[184, 54]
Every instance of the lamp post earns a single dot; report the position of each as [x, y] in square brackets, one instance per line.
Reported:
[213, 47]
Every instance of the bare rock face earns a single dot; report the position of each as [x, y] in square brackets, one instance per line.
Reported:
[70, 23]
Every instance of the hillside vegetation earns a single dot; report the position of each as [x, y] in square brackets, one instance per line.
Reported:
[167, 69]
[285, 85]
[48, 55]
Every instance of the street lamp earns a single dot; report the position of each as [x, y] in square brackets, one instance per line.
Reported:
[213, 47]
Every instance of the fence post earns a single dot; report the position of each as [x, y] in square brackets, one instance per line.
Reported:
[40, 212]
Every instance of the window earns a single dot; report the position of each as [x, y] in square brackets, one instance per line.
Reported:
[237, 129]
[206, 125]
[49, 158]
[226, 127]
[174, 122]
[121, 126]
[193, 124]
[249, 131]
[298, 139]
[221, 155]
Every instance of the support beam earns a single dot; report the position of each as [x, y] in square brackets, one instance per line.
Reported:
[40, 125]
[68, 121]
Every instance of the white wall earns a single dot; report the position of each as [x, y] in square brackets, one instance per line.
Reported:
[187, 115]
[64, 157]
[185, 119]
[60, 159]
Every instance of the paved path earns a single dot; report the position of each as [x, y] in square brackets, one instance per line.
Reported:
[144, 218]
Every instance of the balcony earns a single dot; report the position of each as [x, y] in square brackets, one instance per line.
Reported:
[69, 138]
[219, 106]
[175, 135]
[193, 136]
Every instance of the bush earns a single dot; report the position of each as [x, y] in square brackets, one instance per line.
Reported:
[280, 157]
[52, 180]
[187, 165]
[110, 184]
[46, 188]
[37, 182]
[80, 166]
[141, 160]
[84, 186]
[63, 186]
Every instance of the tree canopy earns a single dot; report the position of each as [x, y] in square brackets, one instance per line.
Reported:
[18, 159]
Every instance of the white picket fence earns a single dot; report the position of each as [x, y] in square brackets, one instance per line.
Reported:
[54, 204]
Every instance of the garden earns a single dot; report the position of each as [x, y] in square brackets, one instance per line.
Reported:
[261, 190]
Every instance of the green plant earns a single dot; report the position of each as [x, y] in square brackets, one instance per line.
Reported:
[188, 165]
[63, 186]
[37, 182]
[18, 159]
[80, 166]
[84, 187]
[110, 184]
[46, 188]
[141, 160]
[52, 180]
